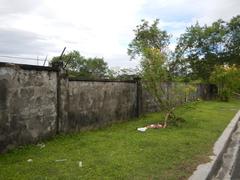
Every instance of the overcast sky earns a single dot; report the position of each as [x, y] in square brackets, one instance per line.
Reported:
[101, 28]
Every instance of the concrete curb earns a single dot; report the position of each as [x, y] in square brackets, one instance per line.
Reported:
[207, 170]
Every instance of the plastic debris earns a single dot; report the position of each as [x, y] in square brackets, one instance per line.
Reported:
[60, 160]
[152, 126]
[143, 129]
[41, 145]
[80, 163]
[29, 160]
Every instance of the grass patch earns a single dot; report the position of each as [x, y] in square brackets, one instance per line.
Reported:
[121, 152]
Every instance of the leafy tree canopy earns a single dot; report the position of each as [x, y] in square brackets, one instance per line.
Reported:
[150, 45]
[147, 36]
[227, 79]
[79, 66]
[201, 48]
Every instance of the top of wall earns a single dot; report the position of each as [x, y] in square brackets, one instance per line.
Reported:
[27, 67]
[100, 80]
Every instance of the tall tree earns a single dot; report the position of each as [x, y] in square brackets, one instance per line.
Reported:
[150, 44]
[201, 48]
[233, 41]
[148, 36]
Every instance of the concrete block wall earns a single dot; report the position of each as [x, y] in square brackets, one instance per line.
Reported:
[39, 102]
[95, 103]
[174, 92]
[28, 104]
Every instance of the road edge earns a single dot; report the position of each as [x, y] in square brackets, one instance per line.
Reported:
[207, 170]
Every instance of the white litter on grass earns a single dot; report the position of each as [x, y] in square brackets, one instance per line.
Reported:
[80, 163]
[29, 160]
[41, 145]
[142, 129]
[60, 160]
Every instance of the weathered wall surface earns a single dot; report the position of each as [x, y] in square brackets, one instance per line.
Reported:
[63, 103]
[97, 103]
[174, 91]
[149, 104]
[207, 91]
[38, 102]
[27, 105]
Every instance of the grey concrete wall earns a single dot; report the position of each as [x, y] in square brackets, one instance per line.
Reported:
[93, 104]
[149, 104]
[63, 102]
[27, 104]
[175, 94]
[38, 102]
[207, 91]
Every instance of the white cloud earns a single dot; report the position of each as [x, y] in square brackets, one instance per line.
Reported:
[102, 28]
[95, 28]
[176, 15]
[210, 11]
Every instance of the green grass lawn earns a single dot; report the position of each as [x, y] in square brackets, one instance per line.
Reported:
[121, 152]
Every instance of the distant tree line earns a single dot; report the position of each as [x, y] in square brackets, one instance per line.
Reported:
[92, 68]
[80, 66]
[204, 53]
[211, 54]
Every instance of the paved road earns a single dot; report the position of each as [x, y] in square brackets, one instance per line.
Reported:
[230, 164]
[236, 169]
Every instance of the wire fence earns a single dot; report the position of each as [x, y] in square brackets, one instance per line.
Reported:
[24, 60]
